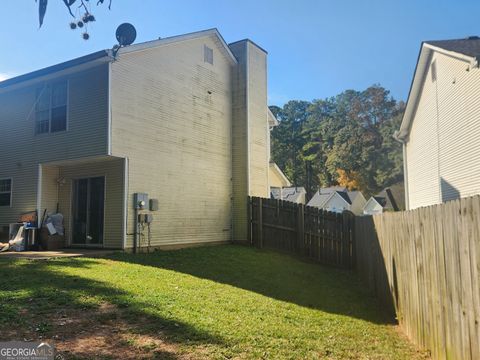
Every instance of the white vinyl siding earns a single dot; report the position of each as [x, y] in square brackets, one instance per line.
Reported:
[422, 150]
[443, 148]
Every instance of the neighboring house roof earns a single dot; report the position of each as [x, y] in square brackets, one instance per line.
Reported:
[386, 199]
[353, 195]
[319, 199]
[323, 196]
[329, 190]
[108, 55]
[466, 50]
[469, 46]
[344, 196]
[289, 194]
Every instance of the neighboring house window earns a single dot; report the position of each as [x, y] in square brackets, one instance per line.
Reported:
[207, 54]
[5, 192]
[51, 108]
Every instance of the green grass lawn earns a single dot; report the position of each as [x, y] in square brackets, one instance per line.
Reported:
[211, 302]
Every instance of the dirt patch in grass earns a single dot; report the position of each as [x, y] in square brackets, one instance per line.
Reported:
[95, 333]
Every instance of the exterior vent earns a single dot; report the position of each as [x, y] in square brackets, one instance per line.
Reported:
[207, 54]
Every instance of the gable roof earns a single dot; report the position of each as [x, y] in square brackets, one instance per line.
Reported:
[344, 196]
[469, 46]
[107, 55]
[466, 50]
[323, 196]
[319, 199]
[289, 194]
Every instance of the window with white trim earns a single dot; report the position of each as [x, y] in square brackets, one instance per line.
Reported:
[5, 192]
[51, 108]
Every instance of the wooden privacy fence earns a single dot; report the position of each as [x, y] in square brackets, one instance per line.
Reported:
[320, 235]
[425, 265]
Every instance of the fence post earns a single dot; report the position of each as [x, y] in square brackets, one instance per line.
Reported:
[260, 222]
[300, 227]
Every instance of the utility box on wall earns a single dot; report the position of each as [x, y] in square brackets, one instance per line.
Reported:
[140, 200]
[153, 204]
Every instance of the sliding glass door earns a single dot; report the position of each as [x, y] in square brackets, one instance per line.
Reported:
[88, 211]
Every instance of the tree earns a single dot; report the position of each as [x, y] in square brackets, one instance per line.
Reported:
[345, 140]
[83, 17]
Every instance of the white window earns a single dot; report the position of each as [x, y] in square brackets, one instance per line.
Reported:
[51, 108]
[5, 192]
[207, 54]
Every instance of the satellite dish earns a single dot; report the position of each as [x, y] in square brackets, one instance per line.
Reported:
[126, 34]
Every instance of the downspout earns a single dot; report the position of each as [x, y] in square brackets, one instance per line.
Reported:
[405, 168]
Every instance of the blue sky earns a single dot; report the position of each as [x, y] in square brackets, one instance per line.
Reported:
[317, 48]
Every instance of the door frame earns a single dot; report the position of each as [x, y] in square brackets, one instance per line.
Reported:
[72, 204]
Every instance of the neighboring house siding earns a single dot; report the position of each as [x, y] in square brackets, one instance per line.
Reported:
[459, 128]
[177, 138]
[443, 146]
[112, 170]
[336, 204]
[422, 150]
[21, 150]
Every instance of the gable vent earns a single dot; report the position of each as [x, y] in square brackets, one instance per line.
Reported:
[207, 54]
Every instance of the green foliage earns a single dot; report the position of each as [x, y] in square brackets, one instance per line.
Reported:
[351, 133]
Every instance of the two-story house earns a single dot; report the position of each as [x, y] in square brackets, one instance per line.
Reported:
[440, 130]
[183, 119]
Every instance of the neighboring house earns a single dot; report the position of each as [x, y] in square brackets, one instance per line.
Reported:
[383, 201]
[338, 199]
[276, 177]
[281, 188]
[440, 130]
[293, 194]
[183, 119]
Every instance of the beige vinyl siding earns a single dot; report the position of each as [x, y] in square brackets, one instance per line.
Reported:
[258, 121]
[21, 150]
[239, 143]
[422, 150]
[250, 132]
[112, 170]
[443, 146]
[177, 138]
[49, 190]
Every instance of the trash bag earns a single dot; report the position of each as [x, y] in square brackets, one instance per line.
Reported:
[57, 221]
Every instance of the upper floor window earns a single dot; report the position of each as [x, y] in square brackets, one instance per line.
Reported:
[51, 108]
[5, 192]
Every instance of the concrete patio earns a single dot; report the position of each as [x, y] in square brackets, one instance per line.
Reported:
[45, 255]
